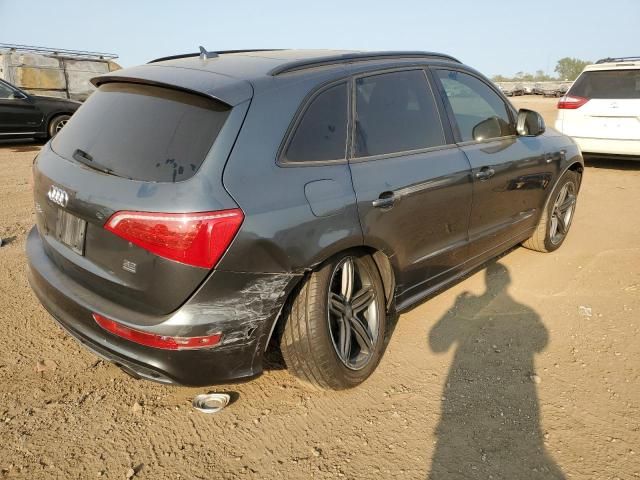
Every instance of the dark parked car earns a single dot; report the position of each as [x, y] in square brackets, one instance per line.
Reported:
[32, 116]
[199, 206]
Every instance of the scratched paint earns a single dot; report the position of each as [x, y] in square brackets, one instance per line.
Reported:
[238, 316]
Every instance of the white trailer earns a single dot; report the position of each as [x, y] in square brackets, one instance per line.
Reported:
[53, 72]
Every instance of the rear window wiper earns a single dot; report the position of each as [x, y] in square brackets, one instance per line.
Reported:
[86, 159]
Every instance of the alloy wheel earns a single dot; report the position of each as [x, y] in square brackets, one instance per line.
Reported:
[354, 319]
[562, 213]
[61, 124]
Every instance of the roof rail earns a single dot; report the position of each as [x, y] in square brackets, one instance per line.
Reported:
[618, 59]
[218, 52]
[356, 57]
[61, 52]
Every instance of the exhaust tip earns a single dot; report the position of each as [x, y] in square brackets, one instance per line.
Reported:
[211, 402]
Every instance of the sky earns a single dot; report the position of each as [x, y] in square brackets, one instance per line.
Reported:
[494, 36]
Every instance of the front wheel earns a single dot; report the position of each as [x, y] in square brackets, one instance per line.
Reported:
[57, 123]
[557, 216]
[334, 330]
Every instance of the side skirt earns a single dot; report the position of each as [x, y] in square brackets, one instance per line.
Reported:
[466, 268]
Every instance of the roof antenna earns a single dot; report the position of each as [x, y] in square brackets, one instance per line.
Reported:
[204, 54]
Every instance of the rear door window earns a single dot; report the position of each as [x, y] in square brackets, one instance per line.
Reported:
[6, 91]
[476, 106]
[608, 84]
[143, 132]
[321, 134]
[396, 112]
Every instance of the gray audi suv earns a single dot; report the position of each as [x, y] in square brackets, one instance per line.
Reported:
[203, 208]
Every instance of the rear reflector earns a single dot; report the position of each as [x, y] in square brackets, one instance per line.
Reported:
[156, 341]
[197, 239]
[569, 102]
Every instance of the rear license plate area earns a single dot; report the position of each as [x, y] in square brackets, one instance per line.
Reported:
[70, 231]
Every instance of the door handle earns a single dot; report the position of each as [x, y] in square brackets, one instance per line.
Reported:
[556, 156]
[485, 173]
[385, 200]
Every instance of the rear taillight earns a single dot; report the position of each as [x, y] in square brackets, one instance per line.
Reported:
[197, 239]
[154, 340]
[569, 102]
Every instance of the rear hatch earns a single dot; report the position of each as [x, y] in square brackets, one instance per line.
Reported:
[153, 153]
[608, 105]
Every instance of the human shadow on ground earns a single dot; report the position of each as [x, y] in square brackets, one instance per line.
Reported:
[490, 420]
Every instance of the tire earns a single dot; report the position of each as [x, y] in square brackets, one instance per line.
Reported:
[550, 233]
[313, 333]
[56, 124]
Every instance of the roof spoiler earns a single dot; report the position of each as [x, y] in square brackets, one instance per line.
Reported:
[225, 89]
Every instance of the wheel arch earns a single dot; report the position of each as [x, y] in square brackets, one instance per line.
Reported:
[387, 274]
[52, 116]
[575, 166]
[385, 267]
[538, 239]
[383, 262]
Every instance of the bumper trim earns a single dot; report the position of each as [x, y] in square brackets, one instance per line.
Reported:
[129, 367]
[72, 306]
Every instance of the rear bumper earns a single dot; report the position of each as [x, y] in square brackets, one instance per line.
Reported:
[243, 306]
[608, 146]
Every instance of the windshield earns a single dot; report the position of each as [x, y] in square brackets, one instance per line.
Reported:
[142, 132]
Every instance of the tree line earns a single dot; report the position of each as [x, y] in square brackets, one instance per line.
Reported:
[567, 69]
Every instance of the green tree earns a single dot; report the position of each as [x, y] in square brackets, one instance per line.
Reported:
[569, 68]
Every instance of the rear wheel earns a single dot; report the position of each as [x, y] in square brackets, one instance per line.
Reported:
[557, 217]
[333, 336]
[57, 123]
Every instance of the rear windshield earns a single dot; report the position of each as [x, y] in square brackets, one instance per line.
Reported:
[617, 84]
[142, 132]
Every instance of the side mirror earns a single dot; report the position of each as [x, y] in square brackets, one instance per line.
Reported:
[530, 123]
[489, 128]
[18, 96]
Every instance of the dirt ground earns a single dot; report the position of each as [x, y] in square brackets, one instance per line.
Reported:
[528, 369]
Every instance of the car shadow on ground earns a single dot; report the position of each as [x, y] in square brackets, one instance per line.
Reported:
[20, 145]
[612, 163]
[490, 416]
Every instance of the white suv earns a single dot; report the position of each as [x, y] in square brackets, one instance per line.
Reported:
[601, 110]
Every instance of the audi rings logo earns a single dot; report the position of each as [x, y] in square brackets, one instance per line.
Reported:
[58, 196]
